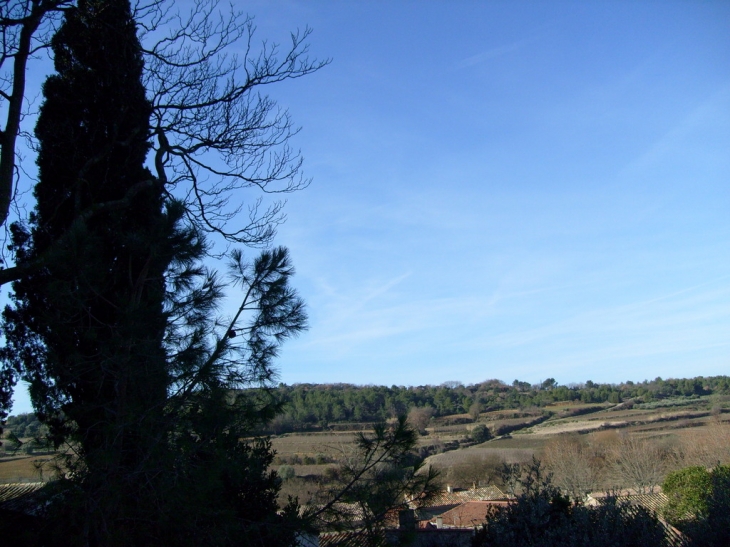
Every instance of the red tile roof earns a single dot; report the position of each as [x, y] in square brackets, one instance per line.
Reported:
[469, 514]
[351, 539]
[15, 496]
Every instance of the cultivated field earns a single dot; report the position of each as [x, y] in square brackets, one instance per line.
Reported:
[21, 468]
[447, 445]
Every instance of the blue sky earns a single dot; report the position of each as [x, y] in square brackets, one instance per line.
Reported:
[509, 190]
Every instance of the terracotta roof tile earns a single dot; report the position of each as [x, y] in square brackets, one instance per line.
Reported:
[654, 502]
[469, 514]
[350, 539]
[17, 496]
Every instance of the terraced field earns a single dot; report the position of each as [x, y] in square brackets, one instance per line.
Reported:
[311, 454]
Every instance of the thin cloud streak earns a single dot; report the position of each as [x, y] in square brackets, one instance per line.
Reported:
[704, 314]
[493, 53]
[673, 141]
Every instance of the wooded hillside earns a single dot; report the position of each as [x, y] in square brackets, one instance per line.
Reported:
[309, 405]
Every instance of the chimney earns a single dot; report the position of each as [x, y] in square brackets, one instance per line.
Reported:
[439, 522]
[449, 489]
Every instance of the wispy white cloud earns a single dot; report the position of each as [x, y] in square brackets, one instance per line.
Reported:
[674, 141]
[495, 52]
[683, 320]
[508, 326]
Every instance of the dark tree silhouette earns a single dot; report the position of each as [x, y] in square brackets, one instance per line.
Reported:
[113, 322]
[542, 516]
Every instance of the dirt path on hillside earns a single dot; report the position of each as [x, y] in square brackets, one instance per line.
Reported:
[573, 427]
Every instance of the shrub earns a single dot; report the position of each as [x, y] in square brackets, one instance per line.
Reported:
[481, 433]
[699, 504]
[543, 517]
[286, 472]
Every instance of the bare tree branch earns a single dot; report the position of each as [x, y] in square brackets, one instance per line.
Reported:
[214, 132]
[24, 29]
[215, 135]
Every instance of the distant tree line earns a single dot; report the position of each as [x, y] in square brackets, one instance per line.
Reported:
[309, 405]
[24, 425]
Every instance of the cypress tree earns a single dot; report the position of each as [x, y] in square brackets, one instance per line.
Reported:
[115, 334]
[87, 329]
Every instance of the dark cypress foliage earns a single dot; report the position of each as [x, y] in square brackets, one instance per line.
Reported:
[115, 331]
[89, 326]
[87, 329]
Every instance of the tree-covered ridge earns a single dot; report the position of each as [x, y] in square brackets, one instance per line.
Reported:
[319, 404]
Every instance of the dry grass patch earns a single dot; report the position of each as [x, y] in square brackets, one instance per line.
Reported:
[572, 426]
[456, 457]
[310, 444]
[449, 431]
[523, 442]
[21, 468]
